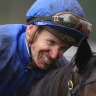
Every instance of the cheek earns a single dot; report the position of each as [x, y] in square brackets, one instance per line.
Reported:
[40, 46]
[34, 51]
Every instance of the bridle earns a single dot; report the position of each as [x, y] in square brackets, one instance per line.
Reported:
[75, 90]
[85, 81]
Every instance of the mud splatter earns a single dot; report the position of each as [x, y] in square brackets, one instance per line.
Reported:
[51, 6]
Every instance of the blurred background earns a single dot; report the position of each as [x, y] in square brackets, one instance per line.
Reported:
[14, 11]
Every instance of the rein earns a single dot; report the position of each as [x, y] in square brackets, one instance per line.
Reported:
[85, 81]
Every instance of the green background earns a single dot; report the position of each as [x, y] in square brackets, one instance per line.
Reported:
[14, 11]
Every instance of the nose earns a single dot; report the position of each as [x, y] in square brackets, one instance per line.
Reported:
[54, 54]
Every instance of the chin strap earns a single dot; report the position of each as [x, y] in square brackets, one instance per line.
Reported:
[29, 40]
[30, 35]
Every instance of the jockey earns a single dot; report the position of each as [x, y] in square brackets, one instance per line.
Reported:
[27, 52]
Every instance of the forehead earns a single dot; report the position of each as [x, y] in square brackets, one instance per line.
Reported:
[47, 35]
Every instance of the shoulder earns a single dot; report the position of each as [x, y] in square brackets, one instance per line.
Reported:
[9, 38]
[12, 28]
[10, 33]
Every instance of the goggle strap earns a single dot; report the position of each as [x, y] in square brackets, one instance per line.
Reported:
[39, 18]
[81, 28]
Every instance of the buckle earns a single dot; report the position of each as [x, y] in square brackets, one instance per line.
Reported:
[70, 84]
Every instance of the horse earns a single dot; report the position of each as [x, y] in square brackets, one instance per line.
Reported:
[75, 79]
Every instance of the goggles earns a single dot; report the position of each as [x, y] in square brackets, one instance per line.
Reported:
[66, 19]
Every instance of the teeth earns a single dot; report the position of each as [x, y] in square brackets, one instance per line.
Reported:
[45, 58]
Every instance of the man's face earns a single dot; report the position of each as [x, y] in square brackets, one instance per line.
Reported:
[46, 48]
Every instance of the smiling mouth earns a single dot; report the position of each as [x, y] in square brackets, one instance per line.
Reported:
[46, 59]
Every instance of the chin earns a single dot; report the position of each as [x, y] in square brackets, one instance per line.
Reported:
[44, 67]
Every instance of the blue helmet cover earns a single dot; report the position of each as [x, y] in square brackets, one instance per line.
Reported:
[51, 7]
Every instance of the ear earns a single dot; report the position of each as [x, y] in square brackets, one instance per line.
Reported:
[30, 32]
[83, 55]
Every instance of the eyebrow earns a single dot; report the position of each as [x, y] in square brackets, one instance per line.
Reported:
[50, 40]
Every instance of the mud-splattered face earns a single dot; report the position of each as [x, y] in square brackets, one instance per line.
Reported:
[46, 48]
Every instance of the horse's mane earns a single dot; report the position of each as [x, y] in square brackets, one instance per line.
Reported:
[50, 85]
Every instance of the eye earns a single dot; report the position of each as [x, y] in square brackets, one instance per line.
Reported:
[51, 42]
